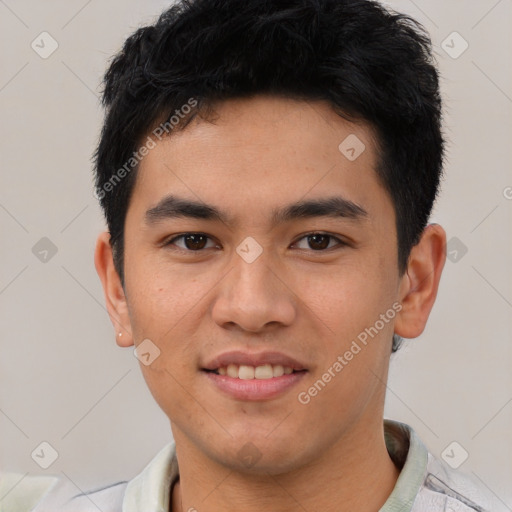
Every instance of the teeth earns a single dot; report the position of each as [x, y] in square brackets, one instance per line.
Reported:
[278, 370]
[232, 371]
[245, 372]
[263, 372]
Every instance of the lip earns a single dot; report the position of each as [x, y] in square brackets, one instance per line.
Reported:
[254, 389]
[239, 357]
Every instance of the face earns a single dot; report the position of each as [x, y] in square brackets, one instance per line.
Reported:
[286, 262]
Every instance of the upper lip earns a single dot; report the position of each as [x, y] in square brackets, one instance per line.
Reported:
[239, 357]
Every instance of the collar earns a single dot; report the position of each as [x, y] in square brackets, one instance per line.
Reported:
[410, 454]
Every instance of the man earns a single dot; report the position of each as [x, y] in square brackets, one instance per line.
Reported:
[267, 170]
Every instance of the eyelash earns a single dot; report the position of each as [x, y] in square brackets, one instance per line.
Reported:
[340, 243]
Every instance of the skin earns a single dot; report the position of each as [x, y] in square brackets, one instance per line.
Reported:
[260, 154]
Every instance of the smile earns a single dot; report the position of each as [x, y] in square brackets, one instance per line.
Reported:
[246, 386]
[247, 372]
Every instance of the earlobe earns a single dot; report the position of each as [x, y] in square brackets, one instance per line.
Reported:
[115, 299]
[420, 282]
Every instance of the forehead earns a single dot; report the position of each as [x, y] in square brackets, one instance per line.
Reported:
[256, 154]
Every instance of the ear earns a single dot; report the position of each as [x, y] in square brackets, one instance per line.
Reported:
[114, 294]
[420, 282]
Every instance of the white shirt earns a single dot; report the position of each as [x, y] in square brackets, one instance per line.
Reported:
[425, 484]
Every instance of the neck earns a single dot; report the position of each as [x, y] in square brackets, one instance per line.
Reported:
[356, 474]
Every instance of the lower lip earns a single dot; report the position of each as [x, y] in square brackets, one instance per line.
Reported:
[254, 389]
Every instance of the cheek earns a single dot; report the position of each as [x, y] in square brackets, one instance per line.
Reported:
[356, 346]
[161, 311]
[169, 388]
[162, 299]
[348, 297]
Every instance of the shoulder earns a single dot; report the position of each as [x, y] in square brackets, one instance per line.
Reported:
[65, 497]
[453, 490]
[21, 492]
[427, 483]
[29, 493]
[149, 490]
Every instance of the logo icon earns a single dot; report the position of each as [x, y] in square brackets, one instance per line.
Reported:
[44, 455]
[352, 147]
[454, 455]
[455, 249]
[249, 250]
[146, 352]
[454, 45]
[249, 454]
[44, 45]
[44, 250]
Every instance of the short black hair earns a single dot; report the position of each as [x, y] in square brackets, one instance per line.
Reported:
[369, 63]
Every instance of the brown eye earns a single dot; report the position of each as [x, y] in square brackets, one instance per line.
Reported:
[319, 242]
[190, 242]
[194, 241]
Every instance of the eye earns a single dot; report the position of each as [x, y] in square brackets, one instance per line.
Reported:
[192, 242]
[320, 241]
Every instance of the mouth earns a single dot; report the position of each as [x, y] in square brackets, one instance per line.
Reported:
[245, 376]
[247, 372]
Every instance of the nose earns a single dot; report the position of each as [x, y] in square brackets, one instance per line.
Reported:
[254, 297]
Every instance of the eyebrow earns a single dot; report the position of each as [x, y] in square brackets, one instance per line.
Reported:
[173, 206]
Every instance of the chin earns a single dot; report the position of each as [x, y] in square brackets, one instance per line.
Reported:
[261, 455]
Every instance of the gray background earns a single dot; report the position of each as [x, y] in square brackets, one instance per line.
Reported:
[62, 377]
